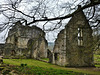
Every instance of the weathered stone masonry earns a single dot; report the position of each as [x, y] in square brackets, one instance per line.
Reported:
[73, 47]
[19, 37]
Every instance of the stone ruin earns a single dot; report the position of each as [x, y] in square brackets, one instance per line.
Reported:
[73, 46]
[25, 41]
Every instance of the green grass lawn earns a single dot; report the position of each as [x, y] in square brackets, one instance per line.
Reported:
[42, 68]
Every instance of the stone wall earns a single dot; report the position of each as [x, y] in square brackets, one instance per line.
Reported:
[2, 46]
[42, 47]
[19, 37]
[74, 48]
[37, 48]
[59, 55]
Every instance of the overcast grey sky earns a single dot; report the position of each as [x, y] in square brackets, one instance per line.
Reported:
[53, 6]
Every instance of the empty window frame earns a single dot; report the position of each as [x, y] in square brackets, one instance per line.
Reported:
[80, 37]
[56, 56]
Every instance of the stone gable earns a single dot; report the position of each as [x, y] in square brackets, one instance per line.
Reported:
[73, 47]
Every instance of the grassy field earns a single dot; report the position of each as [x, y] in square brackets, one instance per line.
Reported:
[35, 67]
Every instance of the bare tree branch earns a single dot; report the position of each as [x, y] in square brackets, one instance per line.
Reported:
[67, 16]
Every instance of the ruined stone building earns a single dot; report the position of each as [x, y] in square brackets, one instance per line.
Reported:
[26, 41]
[73, 47]
[1, 48]
[60, 49]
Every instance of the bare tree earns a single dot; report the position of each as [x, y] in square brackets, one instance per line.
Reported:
[46, 12]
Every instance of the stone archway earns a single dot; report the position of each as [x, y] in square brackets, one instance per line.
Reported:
[33, 48]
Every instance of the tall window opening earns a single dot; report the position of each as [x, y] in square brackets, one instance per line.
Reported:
[56, 56]
[80, 37]
[15, 40]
